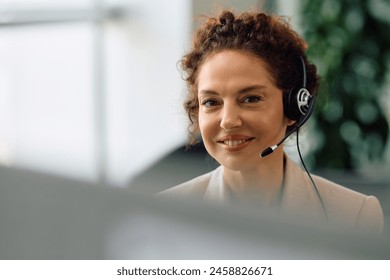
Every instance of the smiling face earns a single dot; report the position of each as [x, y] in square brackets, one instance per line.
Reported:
[240, 110]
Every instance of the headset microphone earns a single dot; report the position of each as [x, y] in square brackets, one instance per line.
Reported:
[296, 126]
[271, 149]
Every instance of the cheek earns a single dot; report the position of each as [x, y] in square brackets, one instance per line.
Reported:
[204, 124]
[208, 127]
[268, 123]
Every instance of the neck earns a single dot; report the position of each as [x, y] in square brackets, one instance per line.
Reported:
[261, 184]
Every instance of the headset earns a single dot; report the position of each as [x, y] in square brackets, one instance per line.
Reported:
[298, 105]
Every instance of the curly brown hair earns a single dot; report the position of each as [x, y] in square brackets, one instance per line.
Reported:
[269, 38]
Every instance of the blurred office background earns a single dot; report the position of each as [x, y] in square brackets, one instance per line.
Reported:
[91, 94]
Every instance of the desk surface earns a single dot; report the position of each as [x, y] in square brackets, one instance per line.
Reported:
[44, 217]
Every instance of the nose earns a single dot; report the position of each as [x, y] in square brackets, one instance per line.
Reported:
[230, 117]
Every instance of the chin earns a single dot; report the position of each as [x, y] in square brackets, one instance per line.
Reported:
[237, 164]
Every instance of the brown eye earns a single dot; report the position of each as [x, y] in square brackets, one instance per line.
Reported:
[251, 99]
[210, 103]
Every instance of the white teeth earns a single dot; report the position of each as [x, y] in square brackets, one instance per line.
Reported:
[233, 143]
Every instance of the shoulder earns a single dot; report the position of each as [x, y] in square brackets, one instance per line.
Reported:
[194, 188]
[339, 196]
[336, 193]
[344, 207]
[350, 207]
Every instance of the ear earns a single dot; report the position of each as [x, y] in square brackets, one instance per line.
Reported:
[290, 122]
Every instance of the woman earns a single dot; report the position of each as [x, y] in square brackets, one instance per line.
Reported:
[239, 72]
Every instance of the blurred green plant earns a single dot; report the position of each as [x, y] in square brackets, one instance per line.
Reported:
[349, 41]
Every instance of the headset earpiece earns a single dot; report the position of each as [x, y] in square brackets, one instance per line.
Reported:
[298, 104]
[290, 105]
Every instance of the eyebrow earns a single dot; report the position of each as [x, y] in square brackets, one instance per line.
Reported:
[251, 88]
[241, 91]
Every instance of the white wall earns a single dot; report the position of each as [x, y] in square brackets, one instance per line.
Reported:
[144, 86]
[46, 91]
[52, 76]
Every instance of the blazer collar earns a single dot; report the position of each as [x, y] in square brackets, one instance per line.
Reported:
[216, 189]
[299, 198]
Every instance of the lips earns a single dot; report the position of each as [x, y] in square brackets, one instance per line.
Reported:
[235, 140]
[233, 143]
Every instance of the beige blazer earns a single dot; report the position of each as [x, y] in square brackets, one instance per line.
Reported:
[345, 209]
